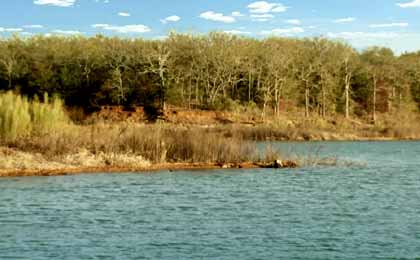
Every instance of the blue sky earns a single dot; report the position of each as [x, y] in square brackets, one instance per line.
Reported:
[391, 23]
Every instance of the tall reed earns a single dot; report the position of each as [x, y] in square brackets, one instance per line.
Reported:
[20, 117]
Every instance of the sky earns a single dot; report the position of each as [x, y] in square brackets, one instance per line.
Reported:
[362, 23]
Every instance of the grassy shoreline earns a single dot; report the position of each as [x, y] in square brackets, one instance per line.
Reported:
[14, 163]
[57, 155]
[38, 138]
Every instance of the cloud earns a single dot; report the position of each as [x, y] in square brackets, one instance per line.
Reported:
[345, 20]
[262, 17]
[10, 29]
[294, 21]
[68, 32]
[262, 7]
[60, 3]
[399, 42]
[33, 26]
[124, 14]
[100, 25]
[13, 29]
[237, 32]
[362, 35]
[172, 18]
[284, 31]
[412, 4]
[388, 25]
[131, 28]
[237, 14]
[217, 17]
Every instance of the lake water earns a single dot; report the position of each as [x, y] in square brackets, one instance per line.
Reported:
[369, 211]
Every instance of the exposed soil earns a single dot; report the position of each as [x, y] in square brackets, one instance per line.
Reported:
[149, 169]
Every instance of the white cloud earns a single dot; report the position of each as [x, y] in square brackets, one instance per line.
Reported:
[412, 4]
[33, 26]
[13, 29]
[237, 32]
[345, 20]
[399, 42]
[60, 3]
[262, 17]
[172, 18]
[237, 14]
[68, 32]
[131, 28]
[100, 25]
[124, 14]
[362, 35]
[284, 31]
[10, 29]
[262, 7]
[294, 21]
[388, 25]
[217, 17]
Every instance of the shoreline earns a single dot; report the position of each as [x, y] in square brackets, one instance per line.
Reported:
[49, 168]
[152, 168]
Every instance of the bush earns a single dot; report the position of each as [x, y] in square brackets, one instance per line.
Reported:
[20, 117]
[15, 120]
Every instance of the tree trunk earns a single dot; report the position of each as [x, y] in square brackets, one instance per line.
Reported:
[250, 83]
[323, 102]
[276, 99]
[347, 95]
[347, 102]
[10, 81]
[374, 99]
[347, 88]
[163, 86]
[120, 85]
[306, 99]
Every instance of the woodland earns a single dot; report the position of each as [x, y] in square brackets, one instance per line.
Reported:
[315, 76]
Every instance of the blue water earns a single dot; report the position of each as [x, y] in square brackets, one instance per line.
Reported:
[362, 212]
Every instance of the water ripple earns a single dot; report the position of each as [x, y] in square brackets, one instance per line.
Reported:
[311, 213]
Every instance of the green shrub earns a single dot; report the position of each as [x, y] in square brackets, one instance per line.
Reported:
[47, 116]
[15, 120]
[20, 117]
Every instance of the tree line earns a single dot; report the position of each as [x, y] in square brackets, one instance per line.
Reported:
[215, 71]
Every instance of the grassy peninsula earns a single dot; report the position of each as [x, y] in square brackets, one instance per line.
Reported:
[71, 104]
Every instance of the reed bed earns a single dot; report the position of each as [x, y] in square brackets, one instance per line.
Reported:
[156, 143]
[42, 127]
[21, 118]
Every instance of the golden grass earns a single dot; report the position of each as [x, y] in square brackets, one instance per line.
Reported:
[21, 118]
[157, 143]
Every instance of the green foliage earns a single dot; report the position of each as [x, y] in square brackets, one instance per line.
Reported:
[15, 120]
[21, 118]
[216, 71]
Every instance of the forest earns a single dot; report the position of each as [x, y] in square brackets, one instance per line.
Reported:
[315, 76]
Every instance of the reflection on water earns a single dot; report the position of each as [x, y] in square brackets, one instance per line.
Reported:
[371, 212]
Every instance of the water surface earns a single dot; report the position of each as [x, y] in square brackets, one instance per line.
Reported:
[370, 212]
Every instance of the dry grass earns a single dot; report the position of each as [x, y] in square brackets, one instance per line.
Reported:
[20, 118]
[18, 160]
[39, 133]
[157, 143]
